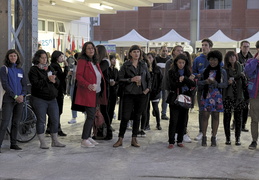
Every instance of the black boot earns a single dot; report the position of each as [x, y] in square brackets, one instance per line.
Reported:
[238, 124]
[61, 133]
[228, 142]
[213, 141]
[238, 143]
[204, 141]
[226, 122]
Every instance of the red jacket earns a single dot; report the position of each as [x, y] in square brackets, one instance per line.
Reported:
[85, 75]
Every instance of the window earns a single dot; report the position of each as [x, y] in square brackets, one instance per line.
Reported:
[218, 4]
[41, 25]
[252, 4]
[60, 27]
[51, 26]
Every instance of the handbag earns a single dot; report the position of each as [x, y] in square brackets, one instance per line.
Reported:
[99, 126]
[183, 100]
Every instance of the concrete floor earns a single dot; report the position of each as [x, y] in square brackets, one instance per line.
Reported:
[151, 161]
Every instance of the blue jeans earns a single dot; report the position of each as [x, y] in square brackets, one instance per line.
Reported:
[164, 104]
[10, 111]
[42, 108]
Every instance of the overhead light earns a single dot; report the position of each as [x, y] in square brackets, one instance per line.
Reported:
[72, 1]
[53, 3]
[105, 6]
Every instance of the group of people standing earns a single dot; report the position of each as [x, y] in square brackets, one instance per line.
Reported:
[226, 87]
[222, 85]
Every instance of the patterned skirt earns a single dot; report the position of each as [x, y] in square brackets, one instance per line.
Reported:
[213, 102]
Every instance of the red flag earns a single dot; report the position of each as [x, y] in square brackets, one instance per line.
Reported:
[68, 38]
[58, 41]
[73, 44]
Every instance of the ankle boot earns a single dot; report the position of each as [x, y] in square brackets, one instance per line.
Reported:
[238, 143]
[118, 143]
[42, 141]
[228, 142]
[204, 141]
[213, 141]
[134, 142]
[55, 142]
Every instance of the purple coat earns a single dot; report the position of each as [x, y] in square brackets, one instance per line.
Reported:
[252, 72]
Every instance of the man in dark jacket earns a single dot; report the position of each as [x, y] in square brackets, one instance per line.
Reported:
[161, 61]
[243, 56]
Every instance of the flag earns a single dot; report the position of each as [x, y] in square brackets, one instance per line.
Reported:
[73, 44]
[58, 42]
[69, 38]
[54, 44]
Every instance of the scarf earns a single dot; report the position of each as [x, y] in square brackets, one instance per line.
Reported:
[181, 73]
[237, 75]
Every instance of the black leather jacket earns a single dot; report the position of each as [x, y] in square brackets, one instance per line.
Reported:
[128, 71]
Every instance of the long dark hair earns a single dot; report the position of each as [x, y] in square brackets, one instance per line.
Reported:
[229, 54]
[212, 54]
[7, 61]
[37, 55]
[83, 53]
[174, 66]
[55, 55]
[154, 64]
[102, 52]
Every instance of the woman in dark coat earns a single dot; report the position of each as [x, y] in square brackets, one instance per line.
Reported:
[135, 76]
[180, 82]
[156, 84]
[57, 57]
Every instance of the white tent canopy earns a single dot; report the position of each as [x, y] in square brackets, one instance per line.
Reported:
[133, 37]
[220, 40]
[253, 39]
[170, 39]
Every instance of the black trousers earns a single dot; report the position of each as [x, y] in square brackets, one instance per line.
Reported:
[104, 111]
[111, 105]
[177, 123]
[130, 102]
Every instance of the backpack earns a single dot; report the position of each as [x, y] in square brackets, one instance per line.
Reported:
[2, 91]
[99, 127]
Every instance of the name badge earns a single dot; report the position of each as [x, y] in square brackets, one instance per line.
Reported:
[20, 75]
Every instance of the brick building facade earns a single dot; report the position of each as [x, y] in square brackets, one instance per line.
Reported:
[236, 18]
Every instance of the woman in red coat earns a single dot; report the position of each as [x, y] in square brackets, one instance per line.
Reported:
[89, 78]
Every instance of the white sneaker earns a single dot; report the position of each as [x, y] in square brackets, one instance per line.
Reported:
[186, 138]
[198, 137]
[93, 141]
[87, 144]
[72, 121]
